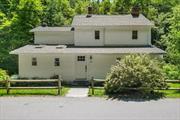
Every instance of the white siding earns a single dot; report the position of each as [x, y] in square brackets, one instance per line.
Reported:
[45, 66]
[112, 36]
[97, 68]
[63, 37]
[85, 37]
[119, 36]
[101, 65]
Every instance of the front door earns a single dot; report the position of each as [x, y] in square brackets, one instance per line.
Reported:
[81, 67]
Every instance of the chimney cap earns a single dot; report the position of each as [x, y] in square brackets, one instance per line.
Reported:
[135, 11]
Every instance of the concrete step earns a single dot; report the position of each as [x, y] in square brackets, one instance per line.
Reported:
[78, 92]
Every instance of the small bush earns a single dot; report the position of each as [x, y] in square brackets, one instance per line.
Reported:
[171, 71]
[3, 75]
[135, 71]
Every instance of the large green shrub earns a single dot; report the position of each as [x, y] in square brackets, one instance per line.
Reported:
[135, 71]
[171, 71]
[3, 75]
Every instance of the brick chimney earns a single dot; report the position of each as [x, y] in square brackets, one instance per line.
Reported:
[135, 11]
[43, 24]
[90, 9]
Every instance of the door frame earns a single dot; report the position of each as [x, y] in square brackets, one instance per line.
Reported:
[84, 63]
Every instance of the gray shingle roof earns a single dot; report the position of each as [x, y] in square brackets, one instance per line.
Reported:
[52, 29]
[32, 49]
[110, 20]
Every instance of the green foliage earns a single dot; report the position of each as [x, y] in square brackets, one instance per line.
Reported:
[17, 17]
[105, 7]
[171, 71]
[3, 75]
[81, 7]
[172, 39]
[135, 71]
[57, 13]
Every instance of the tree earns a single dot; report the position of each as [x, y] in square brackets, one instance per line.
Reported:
[14, 32]
[135, 71]
[28, 16]
[121, 6]
[172, 39]
[57, 13]
[81, 7]
[3, 75]
[105, 7]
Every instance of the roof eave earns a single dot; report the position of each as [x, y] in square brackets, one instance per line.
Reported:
[149, 25]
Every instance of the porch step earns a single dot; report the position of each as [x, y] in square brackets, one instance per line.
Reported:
[80, 83]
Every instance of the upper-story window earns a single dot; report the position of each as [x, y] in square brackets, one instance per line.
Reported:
[134, 34]
[97, 34]
[34, 61]
[56, 62]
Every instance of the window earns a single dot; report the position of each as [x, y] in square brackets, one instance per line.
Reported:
[56, 62]
[97, 34]
[80, 58]
[34, 61]
[134, 34]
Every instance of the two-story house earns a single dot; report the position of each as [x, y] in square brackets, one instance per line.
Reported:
[88, 48]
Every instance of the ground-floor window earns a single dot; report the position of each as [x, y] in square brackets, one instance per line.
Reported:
[80, 58]
[56, 62]
[34, 61]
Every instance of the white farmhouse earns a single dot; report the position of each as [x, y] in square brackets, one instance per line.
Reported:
[86, 49]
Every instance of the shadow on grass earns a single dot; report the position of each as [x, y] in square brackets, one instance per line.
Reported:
[177, 91]
[137, 96]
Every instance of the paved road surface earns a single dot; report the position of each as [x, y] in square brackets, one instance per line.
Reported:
[63, 108]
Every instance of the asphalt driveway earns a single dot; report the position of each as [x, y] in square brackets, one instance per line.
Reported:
[57, 108]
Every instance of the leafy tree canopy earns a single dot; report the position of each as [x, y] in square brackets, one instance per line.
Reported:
[17, 17]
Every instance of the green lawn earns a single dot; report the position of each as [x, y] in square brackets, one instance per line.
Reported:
[171, 93]
[16, 92]
[174, 85]
[99, 92]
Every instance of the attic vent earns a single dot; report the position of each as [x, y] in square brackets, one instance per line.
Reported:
[38, 47]
[60, 46]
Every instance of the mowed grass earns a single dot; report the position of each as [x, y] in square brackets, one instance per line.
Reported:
[174, 85]
[23, 92]
[100, 92]
[171, 93]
